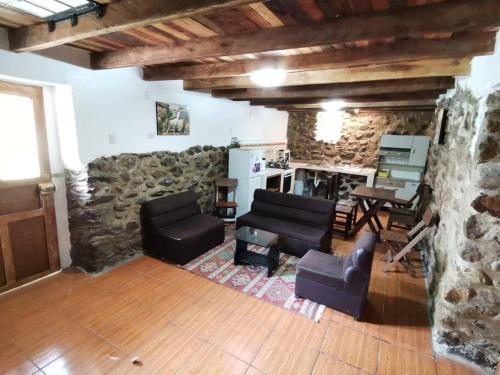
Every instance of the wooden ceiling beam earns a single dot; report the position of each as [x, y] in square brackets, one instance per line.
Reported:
[423, 95]
[118, 16]
[398, 86]
[404, 70]
[346, 106]
[380, 109]
[456, 47]
[456, 16]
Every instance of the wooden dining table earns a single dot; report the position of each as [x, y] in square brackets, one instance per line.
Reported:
[371, 200]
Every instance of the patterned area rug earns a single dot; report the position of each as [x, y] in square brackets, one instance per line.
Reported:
[217, 265]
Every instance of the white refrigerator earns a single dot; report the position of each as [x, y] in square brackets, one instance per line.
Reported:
[248, 166]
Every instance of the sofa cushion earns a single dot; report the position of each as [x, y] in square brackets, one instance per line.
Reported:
[160, 206]
[323, 268]
[303, 232]
[295, 201]
[170, 217]
[190, 228]
[291, 213]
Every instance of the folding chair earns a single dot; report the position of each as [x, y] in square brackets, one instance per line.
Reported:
[405, 216]
[400, 244]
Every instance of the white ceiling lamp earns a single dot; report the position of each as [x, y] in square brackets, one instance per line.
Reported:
[333, 105]
[268, 77]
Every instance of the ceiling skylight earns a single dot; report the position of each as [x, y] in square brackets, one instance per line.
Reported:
[44, 8]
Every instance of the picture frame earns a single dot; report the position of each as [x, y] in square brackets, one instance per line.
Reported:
[172, 119]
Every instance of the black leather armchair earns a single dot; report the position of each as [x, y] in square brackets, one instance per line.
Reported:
[337, 282]
[174, 228]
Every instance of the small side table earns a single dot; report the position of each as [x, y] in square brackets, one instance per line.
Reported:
[248, 235]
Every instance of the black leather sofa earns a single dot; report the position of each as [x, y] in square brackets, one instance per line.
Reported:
[174, 228]
[306, 223]
[338, 282]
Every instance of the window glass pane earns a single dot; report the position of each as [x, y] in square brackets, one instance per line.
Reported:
[18, 139]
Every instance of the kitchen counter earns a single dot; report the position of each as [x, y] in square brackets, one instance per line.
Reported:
[269, 173]
[369, 173]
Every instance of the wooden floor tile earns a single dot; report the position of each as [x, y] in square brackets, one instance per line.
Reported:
[202, 319]
[171, 274]
[254, 371]
[93, 356]
[252, 308]
[49, 342]
[163, 353]
[283, 354]
[241, 337]
[144, 264]
[12, 360]
[352, 347]
[210, 360]
[297, 329]
[447, 366]
[327, 365]
[395, 360]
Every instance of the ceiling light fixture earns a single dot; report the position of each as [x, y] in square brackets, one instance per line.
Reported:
[332, 105]
[268, 77]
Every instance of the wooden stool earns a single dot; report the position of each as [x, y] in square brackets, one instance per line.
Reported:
[226, 209]
[347, 213]
[345, 210]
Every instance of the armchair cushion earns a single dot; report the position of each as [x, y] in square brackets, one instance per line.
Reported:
[323, 268]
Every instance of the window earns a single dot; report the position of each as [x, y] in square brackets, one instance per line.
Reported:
[44, 8]
[18, 146]
[23, 144]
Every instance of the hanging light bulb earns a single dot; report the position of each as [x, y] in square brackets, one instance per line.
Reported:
[332, 105]
[268, 77]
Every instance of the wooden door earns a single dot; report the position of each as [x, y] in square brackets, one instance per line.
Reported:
[28, 232]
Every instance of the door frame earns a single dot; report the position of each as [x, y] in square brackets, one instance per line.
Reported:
[45, 189]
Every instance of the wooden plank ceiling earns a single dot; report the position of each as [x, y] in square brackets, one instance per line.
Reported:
[390, 53]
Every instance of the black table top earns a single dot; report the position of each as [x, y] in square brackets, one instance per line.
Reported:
[257, 237]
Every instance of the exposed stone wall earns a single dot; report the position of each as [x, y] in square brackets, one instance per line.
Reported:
[104, 199]
[360, 139]
[464, 256]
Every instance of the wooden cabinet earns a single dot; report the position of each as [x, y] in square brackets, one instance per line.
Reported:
[419, 149]
[404, 159]
[396, 141]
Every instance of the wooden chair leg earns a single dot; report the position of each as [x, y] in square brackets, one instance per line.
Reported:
[347, 227]
[389, 222]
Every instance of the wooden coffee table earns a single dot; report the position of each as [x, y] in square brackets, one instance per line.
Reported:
[271, 241]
